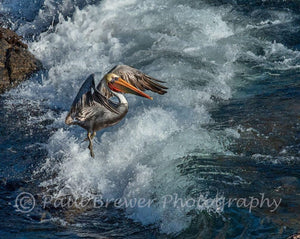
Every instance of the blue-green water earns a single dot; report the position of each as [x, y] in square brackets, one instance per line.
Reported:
[226, 133]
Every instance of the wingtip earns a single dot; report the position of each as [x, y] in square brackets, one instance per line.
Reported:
[68, 120]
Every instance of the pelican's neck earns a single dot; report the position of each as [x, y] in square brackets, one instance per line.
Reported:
[121, 97]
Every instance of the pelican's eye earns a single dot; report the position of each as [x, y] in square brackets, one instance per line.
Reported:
[113, 79]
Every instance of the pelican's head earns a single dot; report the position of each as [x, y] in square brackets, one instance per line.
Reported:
[117, 84]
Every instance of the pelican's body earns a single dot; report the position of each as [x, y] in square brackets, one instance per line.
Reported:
[92, 109]
[92, 115]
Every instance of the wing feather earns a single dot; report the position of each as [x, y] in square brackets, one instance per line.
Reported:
[98, 97]
[85, 103]
[139, 79]
[84, 96]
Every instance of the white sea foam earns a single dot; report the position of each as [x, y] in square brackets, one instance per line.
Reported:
[276, 57]
[34, 17]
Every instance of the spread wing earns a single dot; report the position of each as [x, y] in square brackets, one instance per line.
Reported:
[84, 95]
[85, 103]
[139, 79]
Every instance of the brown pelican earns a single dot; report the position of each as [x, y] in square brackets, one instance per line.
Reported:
[92, 108]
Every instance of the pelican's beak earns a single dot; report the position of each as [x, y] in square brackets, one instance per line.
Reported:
[123, 86]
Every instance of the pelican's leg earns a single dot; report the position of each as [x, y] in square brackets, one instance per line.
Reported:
[89, 136]
[92, 136]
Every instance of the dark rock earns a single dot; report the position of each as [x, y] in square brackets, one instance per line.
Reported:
[16, 62]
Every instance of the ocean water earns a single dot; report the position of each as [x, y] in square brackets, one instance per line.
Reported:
[227, 132]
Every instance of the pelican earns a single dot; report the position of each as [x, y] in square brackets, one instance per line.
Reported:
[92, 108]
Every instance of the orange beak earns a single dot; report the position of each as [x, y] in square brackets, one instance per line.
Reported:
[123, 86]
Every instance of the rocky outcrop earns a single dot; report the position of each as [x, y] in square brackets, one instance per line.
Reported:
[16, 62]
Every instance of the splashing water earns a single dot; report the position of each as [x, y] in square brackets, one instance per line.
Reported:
[138, 158]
